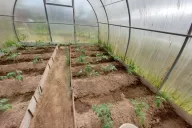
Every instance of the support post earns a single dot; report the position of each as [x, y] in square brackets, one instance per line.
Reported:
[47, 18]
[74, 22]
[129, 14]
[13, 20]
[177, 58]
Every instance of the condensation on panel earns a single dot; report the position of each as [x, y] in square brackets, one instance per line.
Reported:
[33, 31]
[6, 30]
[30, 11]
[84, 15]
[86, 34]
[118, 40]
[118, 13]
[165, 15]
[153, 54]
[99, 10]
[62, 2]
[179, 85]
[6, 7]
[103, 33]
[58, 14]
[62, 33]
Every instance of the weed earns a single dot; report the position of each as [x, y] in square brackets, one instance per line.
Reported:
[131, 68]
[103, 111]
[37, 59]
[82, 59]
[109, 68]
[140, 109]
[4, 104]
[13, 56]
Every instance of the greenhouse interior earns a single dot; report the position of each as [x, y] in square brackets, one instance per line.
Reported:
[96, 64]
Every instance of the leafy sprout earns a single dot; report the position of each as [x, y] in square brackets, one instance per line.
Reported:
[13, 56]
[37, 59]
[103, 111]
[17, 75]
[101, 56]
[4, 105]
[11, 74]
[79, 49]
[140, 109]
[109, 67]
[82, 58]
[88, 70]
[131, 68]
[160, 99]
[3, 77]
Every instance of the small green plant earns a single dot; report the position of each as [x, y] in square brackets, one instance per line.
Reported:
[5, 51]
[103, 111]
[94, 73]
[79, 49]
[13, 56]
[4, 105]
[109, 68]
[17, 75]
[80, 73]
[37, 59]
[160, 99]
[131, 68]
[140, 109]
[39, 43]
[82, 59]
[88, 68]
[11, 74]
[3, 77]
[101, 56]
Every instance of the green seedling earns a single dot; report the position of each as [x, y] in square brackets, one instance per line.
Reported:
[79, 49]
[101, 56]
[80, 73]
[94, 73]
[13, 56]
[4, 105]
[5, 51]
[82, 59]
[109, 68]
[103, 111]
[17, 75]
[39, 43]
[11, 74]
[3, 77]
[160, 99]
[37, 59]
[88, 68]
[140, 109]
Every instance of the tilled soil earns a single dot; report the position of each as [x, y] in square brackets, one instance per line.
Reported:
[55, 107]
[119, 89]
[18, 92]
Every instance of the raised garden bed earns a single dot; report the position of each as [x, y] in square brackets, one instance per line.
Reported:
[31, 63]
[102, 86]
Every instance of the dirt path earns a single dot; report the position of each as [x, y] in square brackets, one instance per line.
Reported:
[55, 107]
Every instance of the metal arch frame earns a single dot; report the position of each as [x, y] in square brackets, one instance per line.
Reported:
[107, 19]
[129, 38]
[96, 18]
[13, 20]
[47, 18]
[74, 22]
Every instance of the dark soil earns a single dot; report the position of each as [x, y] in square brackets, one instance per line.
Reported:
[118, 88]
[19, 93]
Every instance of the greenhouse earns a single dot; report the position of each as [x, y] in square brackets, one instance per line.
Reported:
[96, 64]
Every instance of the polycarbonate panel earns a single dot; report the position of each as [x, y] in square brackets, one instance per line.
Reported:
[58, 14]
[84, 15]
[118, 40]
[30, 11]
[179, 86]
[103, 33]
[6, 7]
[62, 2]
[99, 10]
[165, 15]
[153, 53]
[33, 31]
[105, 2]
[62, 33]
[86, 34]
[6, 30]
[118, 14]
